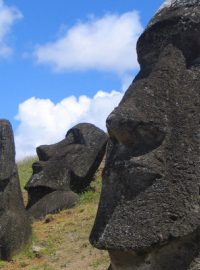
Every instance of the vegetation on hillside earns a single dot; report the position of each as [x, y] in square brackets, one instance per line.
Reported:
[60, 241]
[25, 170]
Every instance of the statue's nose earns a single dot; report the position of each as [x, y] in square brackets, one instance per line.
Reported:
[141, 137]
[122, 128]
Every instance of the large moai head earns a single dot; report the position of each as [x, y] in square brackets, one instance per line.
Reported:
[15, 228]
[149, 212]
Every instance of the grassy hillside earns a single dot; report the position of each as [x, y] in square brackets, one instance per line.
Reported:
[25, 170]
[60, 241]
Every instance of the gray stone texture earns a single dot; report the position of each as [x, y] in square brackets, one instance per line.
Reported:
[15, 229]
[149, 214]
[65, 169]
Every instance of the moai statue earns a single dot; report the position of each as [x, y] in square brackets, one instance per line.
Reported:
[149, 212]
[15, 229]
[65, 169]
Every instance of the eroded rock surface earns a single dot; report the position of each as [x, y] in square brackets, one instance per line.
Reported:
[65, 169]
[149, 214]
[15, 229]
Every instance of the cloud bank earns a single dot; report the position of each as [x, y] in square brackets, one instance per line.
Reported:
[105, 44]
[43, 122]
[8, 16]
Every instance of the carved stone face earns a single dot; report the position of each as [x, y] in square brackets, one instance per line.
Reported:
[150, 194]
[65, 169]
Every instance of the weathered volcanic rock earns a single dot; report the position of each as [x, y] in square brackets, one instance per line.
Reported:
[15, 229]
[64, 169]
[149, 214]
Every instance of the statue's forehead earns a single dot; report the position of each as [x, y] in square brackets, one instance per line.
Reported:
[187, 8]
[177, 24]
[184, 6]
[178, 3]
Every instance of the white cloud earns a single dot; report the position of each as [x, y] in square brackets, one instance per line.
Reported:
[43, 122]
[106, 43]
[8, 15]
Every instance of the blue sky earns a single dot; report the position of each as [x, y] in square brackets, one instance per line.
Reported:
[55, 57]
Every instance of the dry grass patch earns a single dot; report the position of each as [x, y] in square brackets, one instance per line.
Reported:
[61, 240]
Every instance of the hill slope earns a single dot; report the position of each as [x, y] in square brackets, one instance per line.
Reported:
[61, 240]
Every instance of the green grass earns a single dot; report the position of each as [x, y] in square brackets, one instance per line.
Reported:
[25, 170]
[92, 194]
[2, 264]
[95, 264]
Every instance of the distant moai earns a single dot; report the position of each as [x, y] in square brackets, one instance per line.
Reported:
[65, 169]
[15, 229]
[149, 210]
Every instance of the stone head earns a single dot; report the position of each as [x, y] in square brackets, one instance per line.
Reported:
[15, 230]
[150, 193]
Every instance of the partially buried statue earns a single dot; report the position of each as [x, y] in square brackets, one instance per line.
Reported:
[15, 229]
[65, 169]
[149, 212]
